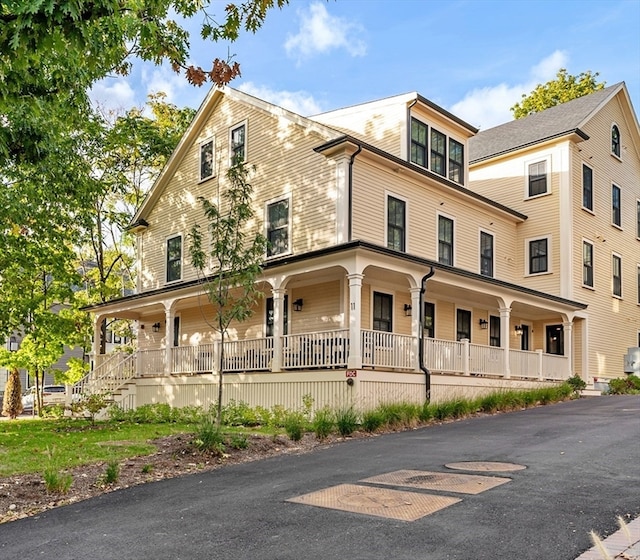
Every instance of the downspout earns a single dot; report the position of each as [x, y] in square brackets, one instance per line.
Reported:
[350, 224]
[427, 373]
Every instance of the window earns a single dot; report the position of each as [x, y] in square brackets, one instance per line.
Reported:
[396, 223]
[537, 173]
[616, 216]
[463, 324]
[418, 142]
[587, 264]
[494, 330]
[278, 228]
[615, 140]
[538, 256]
[638, 286]
[638, 219]
[269, 317]
[555, 340]
[456, 161]
[176, 331]
[174, 258]
[616, 266]
[430, 318]
[486, 254]
[382, 312]
[237, 144]
[438, 152]
[206, 159]
[445, 240]
[587, 187]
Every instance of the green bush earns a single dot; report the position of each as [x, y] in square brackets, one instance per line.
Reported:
[53, 411]
[294, 425]
[624, 385]
[577, 384]
[57, 482]
[238, 441]
[208, 436]
[159, 413]
[426, 412]
[490, 403]
[112, 473]
[346, 421]
[239, 413]
[322, 423]
[372, 420]
[400, 415]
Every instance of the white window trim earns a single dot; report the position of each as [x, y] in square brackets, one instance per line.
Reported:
[394, 300]
[593, 264]
[387, 194]
[611, 205]
[549, 270]
[213, 158]
[289, 224]
[246, 140]
[618, 157]
[166, 258]
[593, 182]
[493, 255]
[527, 163]
[619, 256]
[455, 229]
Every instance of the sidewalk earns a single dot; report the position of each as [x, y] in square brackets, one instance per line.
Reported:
[622, 545]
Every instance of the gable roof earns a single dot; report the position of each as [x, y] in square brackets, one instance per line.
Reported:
[555, 122]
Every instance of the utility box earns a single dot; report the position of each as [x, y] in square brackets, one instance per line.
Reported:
[632, 361]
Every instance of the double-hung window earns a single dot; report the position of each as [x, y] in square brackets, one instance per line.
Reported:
[486, 254]
[438, 152]
[616, 265]
[456, 161]
[463, 324]
[382, 312]
[638, 284]
[206, 159]
[538, 256]
[638, 219]
[418, 142]
[430, 319]
[587, 264]
[174, 258]
[278, 222]
[445, 240]
[396, 224]
[237, 144]
[537, 173]
[587, 187]
[494, 330]
[616, 216]
[615, 140]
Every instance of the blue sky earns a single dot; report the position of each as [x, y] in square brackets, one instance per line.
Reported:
[473, 57]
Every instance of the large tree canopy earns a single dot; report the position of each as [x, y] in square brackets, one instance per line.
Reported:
[563, 88]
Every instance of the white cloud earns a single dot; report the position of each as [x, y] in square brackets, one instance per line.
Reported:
[113, 95]
[490, 106]
[320, 32]
[299, 102]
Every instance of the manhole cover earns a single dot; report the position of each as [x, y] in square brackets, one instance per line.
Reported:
[485, 466]
[380, 502]
[463, 483]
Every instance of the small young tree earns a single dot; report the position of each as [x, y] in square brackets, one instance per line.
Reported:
[12, 402]
[236, 253]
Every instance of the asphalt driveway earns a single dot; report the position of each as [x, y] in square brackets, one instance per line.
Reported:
[582, 462]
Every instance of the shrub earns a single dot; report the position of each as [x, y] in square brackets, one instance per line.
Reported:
[294, 425]
[491, 403]
[322, 423]
[52, 411]
[346, 421]
[208, 436]
[146, 469]
[577, 384]
[238, 441]
[624, 385]
[57, 482]
[372, 420]
[112, 473]
[426, 412]
[400, 415]
[239, 413]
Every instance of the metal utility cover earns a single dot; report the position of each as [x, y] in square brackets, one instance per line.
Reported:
[380, 502]
[462, 483]
[485, 466]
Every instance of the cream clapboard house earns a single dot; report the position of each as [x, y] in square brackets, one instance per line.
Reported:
[574, 170]
[375, 233]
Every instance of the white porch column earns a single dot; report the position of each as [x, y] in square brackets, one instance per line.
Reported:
[354, 360]
[568, 345]
[415, 326]
[505, 321]
[278, 317]
[97, 333]
[168, 338]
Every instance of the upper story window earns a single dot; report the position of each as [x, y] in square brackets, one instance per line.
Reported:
[206, 159]
[396, 224]
[537, 178]
[538, 255]
[587, 187]
[456, 161]
[587, 264]
[382, 312]
[638, 285]
[616, 215]
[494, 330]
[438, 152]
[616, 272]
[174, 258]
[429, 319]
[238, 143]
[278, 227]
[486, 254]
[615, 140]
[638, 219]
[445, 240]
[463, 324]
[418, 142]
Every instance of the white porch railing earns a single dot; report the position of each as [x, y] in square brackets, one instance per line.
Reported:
[112, 375]
[486, 359]
[387, 349]
[555, 367]
[315, 350]
[248, 355]
[151, 362]
[524, 363]
[444, 356]
[194, 359]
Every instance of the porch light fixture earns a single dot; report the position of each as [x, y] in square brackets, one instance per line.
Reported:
[297, 305]
[13, 344]
[519, 330]
[483, 323]
[407, 310]
[156, 327]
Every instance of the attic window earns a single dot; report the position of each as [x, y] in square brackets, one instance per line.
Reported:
[237, 144]
[615, 140]
[206, 159]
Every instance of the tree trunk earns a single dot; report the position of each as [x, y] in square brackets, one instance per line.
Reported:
[12, 403]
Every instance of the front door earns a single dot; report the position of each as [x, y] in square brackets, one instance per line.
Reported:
[555, 340]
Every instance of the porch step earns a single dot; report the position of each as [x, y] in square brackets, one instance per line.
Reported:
[590, 393]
